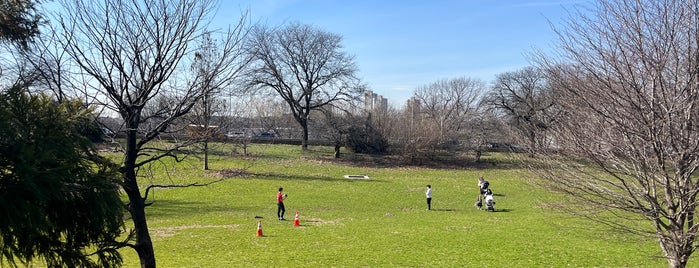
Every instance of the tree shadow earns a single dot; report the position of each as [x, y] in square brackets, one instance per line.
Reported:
[500, 210]
[444, 209]
[166, 208]
[274, 176]
[227, 174]
[444, 160]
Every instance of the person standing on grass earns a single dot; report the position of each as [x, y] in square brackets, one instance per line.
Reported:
[483, 185]
[280, 204]
[480, 185]
[428, 194]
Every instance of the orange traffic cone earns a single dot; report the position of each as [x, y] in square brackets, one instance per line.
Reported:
[296, 219]
[259, 228]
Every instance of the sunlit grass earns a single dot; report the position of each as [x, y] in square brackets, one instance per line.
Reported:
[379, 222]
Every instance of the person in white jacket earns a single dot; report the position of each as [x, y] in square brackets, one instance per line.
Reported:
[428, 194]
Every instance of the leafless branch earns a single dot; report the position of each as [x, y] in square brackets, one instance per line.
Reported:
[165, 186]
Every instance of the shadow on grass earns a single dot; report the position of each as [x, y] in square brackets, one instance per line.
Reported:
[171, 208]
[273, 176]
[226, 174]
[437, 160]
[500, 210]
[444, 209]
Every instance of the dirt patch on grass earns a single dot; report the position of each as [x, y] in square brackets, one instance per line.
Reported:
[230, 173]
[162, 232]
[459, 228]
[319, 222]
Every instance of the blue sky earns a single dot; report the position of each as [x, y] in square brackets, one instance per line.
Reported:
[401, 45]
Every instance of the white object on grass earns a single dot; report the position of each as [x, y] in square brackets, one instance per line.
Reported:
[357, 177]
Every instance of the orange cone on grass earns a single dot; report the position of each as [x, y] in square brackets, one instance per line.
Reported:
[259, 228]
[296, 219]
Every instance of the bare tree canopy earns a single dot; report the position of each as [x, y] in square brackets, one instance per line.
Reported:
[525, 98]
[627, 75]
[133, 57]
[449, 104]
[207, 65]
[305, 66]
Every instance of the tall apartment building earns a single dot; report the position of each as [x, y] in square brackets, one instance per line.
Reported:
[412, 107]
[374, 102]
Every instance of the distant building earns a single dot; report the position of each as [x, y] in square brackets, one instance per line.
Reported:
[200, 131]
[413, 107]
[375, 103]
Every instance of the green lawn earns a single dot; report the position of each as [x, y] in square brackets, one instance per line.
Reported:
[379, 222]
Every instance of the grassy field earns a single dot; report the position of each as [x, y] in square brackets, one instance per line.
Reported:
[378, 222]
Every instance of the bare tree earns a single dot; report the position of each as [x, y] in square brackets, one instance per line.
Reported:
[414, 141]
[387, 123]
[448, 105]
[335, 125]
[133, 53]
[50, 62]
[206, 65]
[526, 99]
[486, 129]
[304, 66]
[270, 115]
[627, 76]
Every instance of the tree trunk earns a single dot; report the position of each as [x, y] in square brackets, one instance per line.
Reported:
[532, 143]
[304, 140]
[144, 244]
[207, 131]
[675, 263]
[136, 207]
[678, 248]
[675, 259]
[206, 155]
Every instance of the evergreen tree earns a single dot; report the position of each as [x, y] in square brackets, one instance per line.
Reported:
[59, 200]
[19, 21]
